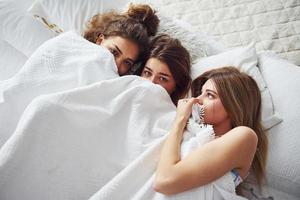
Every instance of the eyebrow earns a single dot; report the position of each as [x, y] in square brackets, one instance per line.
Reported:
[118, 49]
[167, 75]
[120, 52]
[212, 91]
[208, 90]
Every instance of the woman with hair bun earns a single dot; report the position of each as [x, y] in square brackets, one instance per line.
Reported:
[125, 35]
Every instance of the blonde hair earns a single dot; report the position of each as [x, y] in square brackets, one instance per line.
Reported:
[241, 99]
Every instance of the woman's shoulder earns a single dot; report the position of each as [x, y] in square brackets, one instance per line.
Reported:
[243, 134]
[242, 142]
[240, 134]
[236, 141]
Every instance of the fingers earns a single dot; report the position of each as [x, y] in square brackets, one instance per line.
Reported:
[184, 109]
[183, 100]
[189, 100]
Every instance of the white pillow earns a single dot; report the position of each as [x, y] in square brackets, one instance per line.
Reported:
[20, 29]
[198, 44]
[283, 80]
[73, 14]
[245, 59]
[251, 190]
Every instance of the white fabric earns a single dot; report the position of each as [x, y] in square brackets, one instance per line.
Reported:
[73, 14]
[245, 59]
[198, 44]
[20, 29]
[68, 145]
[196, 133]
[271, 24]
[11, 60]
[251, 191]
[65, 62]
[126, 185]
[283, 79]
[60, 145]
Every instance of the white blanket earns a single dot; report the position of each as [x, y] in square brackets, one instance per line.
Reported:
[68, 145]
[136, 180]
[68, 135]
[65, 62]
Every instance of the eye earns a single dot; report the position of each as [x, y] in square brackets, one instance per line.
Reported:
[146, 73]
[128, 64]
[163, 79]
[114, 52]
[210, 96]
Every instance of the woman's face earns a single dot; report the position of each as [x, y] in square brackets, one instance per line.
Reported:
[125, 51]
[214, 111]
[158, 73]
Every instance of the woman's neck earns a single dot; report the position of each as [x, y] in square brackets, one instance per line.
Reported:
[222, 128]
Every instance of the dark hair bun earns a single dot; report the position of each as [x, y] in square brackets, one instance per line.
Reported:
[145, 15]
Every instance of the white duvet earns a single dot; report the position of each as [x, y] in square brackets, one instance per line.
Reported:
[136, 180]
[68, 145]
[65, 62]
[69, 135]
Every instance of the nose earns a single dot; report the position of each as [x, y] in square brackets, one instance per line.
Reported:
[118, 63]
[121, 69]
[200, 98]
[153, 79]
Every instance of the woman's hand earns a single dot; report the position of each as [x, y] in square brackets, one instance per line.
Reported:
[184, 109]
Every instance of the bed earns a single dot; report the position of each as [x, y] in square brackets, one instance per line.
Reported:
[262, 37]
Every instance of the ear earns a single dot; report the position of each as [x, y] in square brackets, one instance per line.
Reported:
[100, 39]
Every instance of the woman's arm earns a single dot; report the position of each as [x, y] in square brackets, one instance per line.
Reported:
[234, 150]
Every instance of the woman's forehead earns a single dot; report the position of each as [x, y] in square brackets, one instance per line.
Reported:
[209, 84]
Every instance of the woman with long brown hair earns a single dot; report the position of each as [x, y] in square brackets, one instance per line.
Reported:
[168, 64]
[232, 105]
[125, 35]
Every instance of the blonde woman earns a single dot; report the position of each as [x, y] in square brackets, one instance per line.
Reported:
[232, 105]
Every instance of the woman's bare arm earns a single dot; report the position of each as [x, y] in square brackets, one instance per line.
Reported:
[235, 149]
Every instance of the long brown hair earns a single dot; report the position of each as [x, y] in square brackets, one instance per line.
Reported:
[170, 51]
[137, 24]
[241, 99]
